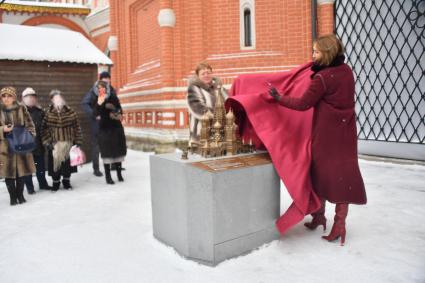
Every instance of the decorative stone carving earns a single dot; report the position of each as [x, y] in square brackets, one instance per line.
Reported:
[166, 18]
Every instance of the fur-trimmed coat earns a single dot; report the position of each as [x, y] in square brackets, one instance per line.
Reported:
[12, 164]
[200, 99]
[61, 126]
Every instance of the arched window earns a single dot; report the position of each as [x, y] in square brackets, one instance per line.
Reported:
[247, 24]
[247, 27]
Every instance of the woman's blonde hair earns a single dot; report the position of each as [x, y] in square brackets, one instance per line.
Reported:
[202, 66]
[330, 47]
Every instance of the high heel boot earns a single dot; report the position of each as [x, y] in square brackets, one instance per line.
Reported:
[108, 174]
[119, 170]
[318, 218]
[338, 228]
[10, 184]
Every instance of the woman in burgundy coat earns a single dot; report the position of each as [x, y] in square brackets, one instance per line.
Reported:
[334, 170]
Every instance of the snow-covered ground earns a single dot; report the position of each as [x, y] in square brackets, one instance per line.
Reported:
[103, 233]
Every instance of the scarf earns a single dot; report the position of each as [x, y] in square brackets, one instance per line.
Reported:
[339, 60]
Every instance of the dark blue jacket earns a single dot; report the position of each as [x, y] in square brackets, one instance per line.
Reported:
[89, 103]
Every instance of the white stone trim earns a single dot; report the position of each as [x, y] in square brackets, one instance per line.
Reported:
[168, 115]
[323, 2]
[98, 18]
[166, 18]
[148, 66]
[162, 134]
[113, 43]
[165, 104]
[269, 68]
[153, 91]
[247, 4]
[168, 122]
[100, 31]
[243, 55]
[181, 114]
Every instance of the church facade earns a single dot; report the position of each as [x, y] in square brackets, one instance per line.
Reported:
[156, 45]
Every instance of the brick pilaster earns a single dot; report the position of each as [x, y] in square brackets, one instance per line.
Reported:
[165, 20]
[325, 16]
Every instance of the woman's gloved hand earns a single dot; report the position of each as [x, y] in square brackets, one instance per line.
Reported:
[110, 106]
[274, 93]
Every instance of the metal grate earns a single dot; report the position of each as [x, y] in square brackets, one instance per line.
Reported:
[385, 44]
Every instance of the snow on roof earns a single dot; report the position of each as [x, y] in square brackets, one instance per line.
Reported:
[46, 4]
[48, 44]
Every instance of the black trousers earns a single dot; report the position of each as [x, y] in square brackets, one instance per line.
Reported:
[41, 176]
[64, 171]
[95, 152]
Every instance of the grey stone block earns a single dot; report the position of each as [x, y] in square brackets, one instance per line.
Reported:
[212, 216]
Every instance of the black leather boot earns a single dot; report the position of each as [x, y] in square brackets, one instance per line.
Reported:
[108, 174]
[118, 168]
[56, 185]
[20, 189]
[66, 182]
[10, 184]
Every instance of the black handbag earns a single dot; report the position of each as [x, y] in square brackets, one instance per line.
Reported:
[20, 140]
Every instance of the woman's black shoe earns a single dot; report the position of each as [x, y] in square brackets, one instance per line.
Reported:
[21, 200]
[66, 184]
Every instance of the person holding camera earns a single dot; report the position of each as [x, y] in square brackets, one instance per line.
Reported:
[14, 166]
[88, 104]
[112, 150]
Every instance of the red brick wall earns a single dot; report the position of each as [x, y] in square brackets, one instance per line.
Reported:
[204, 30]
[101, 41]
[325, 14]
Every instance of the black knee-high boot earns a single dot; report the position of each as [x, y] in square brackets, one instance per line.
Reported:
[119, 170]
[11, 188]
[20, 183]
[108, 174]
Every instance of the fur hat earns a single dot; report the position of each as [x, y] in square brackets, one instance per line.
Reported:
[28, 91]
[9, 90]
[54, 92]
[104, 74]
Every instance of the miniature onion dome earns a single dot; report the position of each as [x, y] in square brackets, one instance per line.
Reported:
[217, 125]
[209, 114]
[229, 115]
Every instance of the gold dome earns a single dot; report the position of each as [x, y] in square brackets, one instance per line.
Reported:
[217, 125]
[230, 115]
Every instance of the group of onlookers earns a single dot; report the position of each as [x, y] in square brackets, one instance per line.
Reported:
[55, 130]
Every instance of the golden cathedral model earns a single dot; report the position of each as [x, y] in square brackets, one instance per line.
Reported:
[219, 133]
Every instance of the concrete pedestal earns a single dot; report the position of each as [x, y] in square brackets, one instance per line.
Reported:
[209, 212]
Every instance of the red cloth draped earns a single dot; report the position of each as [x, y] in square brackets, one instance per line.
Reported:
[285, 133]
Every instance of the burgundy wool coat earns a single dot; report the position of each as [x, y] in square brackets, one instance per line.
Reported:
[334, 169]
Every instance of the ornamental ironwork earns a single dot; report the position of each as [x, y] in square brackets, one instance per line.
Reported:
[385, 44]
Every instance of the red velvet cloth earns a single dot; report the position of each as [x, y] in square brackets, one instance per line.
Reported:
[285, 133]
